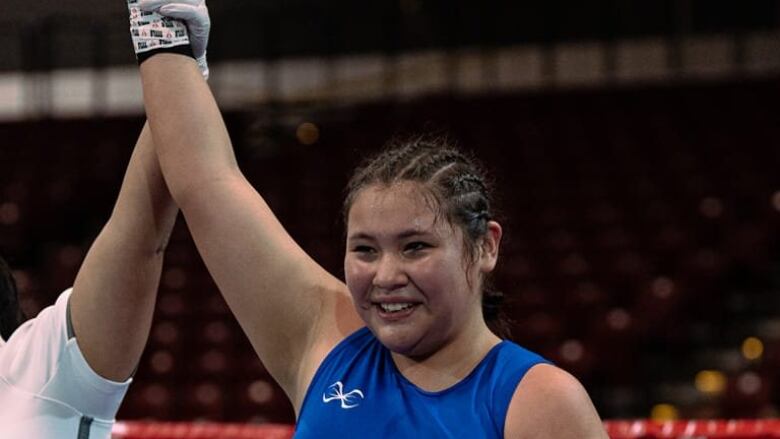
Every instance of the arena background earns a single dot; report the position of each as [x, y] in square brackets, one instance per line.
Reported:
[635, 145]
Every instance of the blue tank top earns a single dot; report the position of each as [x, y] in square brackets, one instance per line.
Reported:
[357, 392]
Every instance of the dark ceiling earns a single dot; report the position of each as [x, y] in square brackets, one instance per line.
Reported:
[62, 33]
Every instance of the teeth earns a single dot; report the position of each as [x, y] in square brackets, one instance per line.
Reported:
[394, 307]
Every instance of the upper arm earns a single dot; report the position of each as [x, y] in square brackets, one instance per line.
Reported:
[550, 403]
[115, 289]
[292, 310]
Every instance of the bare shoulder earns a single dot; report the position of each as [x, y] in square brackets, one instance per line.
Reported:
[551, 403]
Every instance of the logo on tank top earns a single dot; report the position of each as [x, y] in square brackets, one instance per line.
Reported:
[348, 400]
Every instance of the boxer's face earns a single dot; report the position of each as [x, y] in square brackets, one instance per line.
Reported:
[406, 269]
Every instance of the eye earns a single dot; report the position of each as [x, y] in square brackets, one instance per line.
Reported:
[362, 249]
[416, 246]
[364, 253]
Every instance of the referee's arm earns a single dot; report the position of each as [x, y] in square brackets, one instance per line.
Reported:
[115, 290]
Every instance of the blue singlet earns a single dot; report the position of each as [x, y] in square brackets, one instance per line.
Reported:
[358, 392]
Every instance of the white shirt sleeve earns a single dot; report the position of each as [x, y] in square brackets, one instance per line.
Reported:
[30, 357]
[40, 359]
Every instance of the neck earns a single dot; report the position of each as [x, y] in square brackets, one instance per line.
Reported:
[452, 362]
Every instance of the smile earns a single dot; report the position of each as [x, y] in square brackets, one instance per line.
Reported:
[391, 312]
[395, 307]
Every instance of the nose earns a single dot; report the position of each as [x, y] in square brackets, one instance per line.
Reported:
[390, 274]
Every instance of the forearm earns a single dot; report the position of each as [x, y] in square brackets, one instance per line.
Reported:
[192, 142]
[144, 213]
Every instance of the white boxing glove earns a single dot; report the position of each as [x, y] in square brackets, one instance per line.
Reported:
[195, 16]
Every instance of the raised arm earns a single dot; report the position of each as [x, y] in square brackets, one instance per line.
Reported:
[115, 290]
[292, 310]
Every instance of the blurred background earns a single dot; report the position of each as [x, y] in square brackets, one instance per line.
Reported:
[635, 147]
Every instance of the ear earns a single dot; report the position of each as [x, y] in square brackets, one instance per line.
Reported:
[489, 247]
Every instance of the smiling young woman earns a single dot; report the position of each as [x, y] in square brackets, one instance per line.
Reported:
[402, 348]
[414, 272]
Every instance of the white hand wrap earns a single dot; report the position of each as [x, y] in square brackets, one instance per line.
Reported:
[151, 31]
[195, 16]
[154, 31]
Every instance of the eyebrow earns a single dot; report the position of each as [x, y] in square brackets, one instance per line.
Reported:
[403, 235]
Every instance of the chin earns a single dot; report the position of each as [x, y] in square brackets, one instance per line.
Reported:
[404, 341]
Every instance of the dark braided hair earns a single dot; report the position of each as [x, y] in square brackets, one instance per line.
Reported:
[459, 190]
[11, 315]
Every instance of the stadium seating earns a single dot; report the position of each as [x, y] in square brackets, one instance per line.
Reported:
[642, 248]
